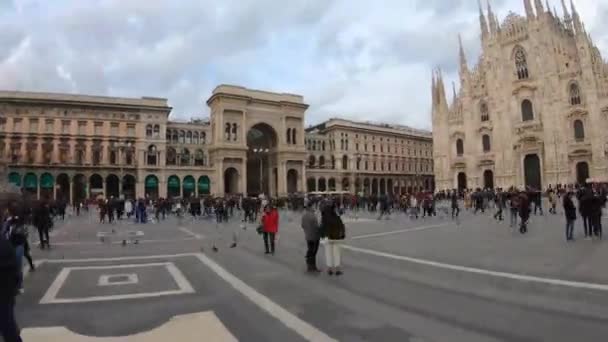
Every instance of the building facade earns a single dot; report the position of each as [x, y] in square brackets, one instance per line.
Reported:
[368, 158]
[74, 147]
[532, 112]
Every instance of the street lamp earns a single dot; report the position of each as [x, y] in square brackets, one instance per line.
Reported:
[260, 152]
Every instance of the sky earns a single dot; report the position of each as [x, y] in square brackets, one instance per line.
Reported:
[354, 59]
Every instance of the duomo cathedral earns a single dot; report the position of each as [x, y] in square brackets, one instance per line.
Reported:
[533, 111]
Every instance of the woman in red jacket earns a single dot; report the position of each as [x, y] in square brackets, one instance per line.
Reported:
[270, 224]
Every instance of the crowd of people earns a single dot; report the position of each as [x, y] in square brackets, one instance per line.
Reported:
[321, 220]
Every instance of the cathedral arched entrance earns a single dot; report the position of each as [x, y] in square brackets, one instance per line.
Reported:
[488, 179]
[261, 160]
[462, 181]
[582, 172]
[231, 181]
[532, 172]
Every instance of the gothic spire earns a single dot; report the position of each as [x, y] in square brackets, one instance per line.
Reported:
[538, 4]
[492, 19]
[529, 10]
[567, 18]
[483, 23]
[576, 19]
[440, 88]
[434, 89]
[453, 94]
[463, 58]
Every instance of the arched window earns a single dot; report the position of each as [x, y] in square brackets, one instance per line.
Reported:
[199, 158]
[485, 142]
[156, 131]
[203, 138]
[227, 132]
[333, 162]
[148, 131]
[459, 147]
[527, 112]
[289, 136]
[345, 162]
[323, 146]
[314, 145]
[168, 136]
[311, 161]
[521, 63]
[182, 137]
[575, 94]
[189, 137]
[196, 139]
[185, 157]
[579, 130]
[171, 156]
[174, 137]
[483, 110]
[234, 135]
[293, 136]
[151, 155]
[321, 162]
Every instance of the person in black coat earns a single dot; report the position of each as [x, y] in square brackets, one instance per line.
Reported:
[43, 222]
[584, 207]
[570, 213]
[9, 279]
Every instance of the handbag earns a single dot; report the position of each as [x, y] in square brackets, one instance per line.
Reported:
[260, 229]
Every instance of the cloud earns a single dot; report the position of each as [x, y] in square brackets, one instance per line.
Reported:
[347, 57]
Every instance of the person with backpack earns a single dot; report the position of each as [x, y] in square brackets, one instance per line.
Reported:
[333, 229]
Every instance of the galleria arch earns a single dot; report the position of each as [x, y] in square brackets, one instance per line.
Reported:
[261, 156]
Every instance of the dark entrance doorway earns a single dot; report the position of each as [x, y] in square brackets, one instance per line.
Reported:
[462, 181]
[532, 175]
[128, 186]
[112, 186]
[231, 181]
[261, 159]
[488, 179]
[63, 188]
[582, 172]
[292, 181]
[79, 189]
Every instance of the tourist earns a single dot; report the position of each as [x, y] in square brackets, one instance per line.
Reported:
[552, 201]
[310, 225]
[41, 218]
[524, 212]
[455, 207]
[595, 215]
[9, 286]
[500, 204]
[514, 205]
[584, 208]
[570, 213]
[270, 227]
[128, 208]
[333, 229]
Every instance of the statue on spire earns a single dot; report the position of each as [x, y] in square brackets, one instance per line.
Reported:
[567, 18]
[538, 4]
[578, 26]
[529, 10]
[494, 27]
[483, 23]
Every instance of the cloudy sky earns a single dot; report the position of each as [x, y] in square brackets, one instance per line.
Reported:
[368, 60]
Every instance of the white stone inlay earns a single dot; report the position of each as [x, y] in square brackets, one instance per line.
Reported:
[116, 279]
